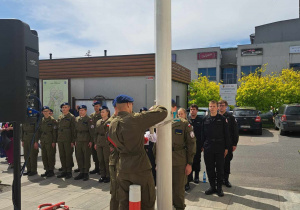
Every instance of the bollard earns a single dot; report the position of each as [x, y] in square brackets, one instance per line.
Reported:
[135, 197]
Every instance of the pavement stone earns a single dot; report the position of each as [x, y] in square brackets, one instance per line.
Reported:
[92, 195]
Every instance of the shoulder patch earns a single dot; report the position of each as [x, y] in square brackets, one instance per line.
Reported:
[189, 125]
[192, 134]
[55, 127]
[92, 126]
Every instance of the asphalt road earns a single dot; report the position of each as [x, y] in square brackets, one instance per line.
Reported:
[266, 161]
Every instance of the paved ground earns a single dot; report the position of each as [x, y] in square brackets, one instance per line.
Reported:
[265, 175]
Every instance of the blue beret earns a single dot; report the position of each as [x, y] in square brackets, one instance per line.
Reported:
[51, 110]
[104, 107]
[123, 99]
[64, 104]
[114, 103]
[173, 103]
[143, 109]
[82, 107]
[45, 107]
[96, 102]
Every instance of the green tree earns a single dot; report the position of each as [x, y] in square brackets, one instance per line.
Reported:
[202, 91]
[273, 89]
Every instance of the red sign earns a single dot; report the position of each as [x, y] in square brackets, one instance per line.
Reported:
[207, 55]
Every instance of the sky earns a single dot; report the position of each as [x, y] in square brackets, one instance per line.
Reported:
[69, 28]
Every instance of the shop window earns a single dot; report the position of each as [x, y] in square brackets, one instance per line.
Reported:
[246, 70]
[211, 73]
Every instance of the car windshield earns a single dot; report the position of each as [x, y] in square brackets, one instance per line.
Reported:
[293, 110]
[245, 112]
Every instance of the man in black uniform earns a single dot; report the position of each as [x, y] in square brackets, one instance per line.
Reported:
[215, 143]
[233, 136]
[196, 122]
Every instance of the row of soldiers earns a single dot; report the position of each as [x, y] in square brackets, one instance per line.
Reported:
[128, 161]
[69, 133]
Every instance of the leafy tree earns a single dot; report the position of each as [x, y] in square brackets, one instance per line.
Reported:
[273, 89]
[202, 91]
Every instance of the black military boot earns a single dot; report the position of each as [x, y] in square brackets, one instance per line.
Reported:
[60, 169]
[69, 175]
[101, 179]
[45, 174]
[212, 188]
[220, 192]
[196, 180]
[26, 173]
[63, 174]
[50, 173]
[187, 187]
[79, 176]
[95, 171]
[106, 180]
[86, 177]
[226, 181]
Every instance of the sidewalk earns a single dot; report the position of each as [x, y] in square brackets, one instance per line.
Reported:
[91, 195]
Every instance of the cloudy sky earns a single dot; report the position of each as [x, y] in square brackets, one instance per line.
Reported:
[69, 28]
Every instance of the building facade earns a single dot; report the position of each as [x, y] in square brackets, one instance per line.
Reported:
[109, 76]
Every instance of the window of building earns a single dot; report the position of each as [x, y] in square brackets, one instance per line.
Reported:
[295, 66]
[211, 73]
[246, 70]
[174, 57]
[229, 75]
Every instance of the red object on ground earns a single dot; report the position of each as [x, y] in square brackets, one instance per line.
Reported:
[50, 206]
[134, 205]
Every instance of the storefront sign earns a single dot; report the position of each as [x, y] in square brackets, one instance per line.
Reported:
[207, 55]
[249, 52]
[294, 49]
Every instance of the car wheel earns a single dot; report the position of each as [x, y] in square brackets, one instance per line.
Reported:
[281, 132]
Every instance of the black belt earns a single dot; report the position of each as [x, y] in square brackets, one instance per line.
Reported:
[216, 140]
[61, 130]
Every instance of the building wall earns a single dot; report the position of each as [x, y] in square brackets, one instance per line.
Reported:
[281, 31]
[141, 89]
[277, 56]
[188, 59]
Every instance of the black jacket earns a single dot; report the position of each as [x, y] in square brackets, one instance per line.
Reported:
[215, 134]
[233, 129]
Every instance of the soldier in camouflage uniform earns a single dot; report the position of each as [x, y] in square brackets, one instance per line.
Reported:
[113, 160]
[127, 132]
[31, 150]
[183, 151]
[48, 138]
[65, 139]
[101, 144]
[84, 130]
[95, 117]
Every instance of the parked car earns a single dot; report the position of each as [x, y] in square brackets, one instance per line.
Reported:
[287, 118]
[248, 119]
[267, 118]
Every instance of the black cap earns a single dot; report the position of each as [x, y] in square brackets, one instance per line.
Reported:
[82, 107]
[45, 107]
[64, 104]
[96, 102]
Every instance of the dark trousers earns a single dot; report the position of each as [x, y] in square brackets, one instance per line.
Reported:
[196, 165]
[214, 164]
[228, 158]
[149, 151]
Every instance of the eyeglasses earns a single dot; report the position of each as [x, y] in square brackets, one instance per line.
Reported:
[222, 105]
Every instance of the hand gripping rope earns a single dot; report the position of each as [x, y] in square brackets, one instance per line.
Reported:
[50, 206]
